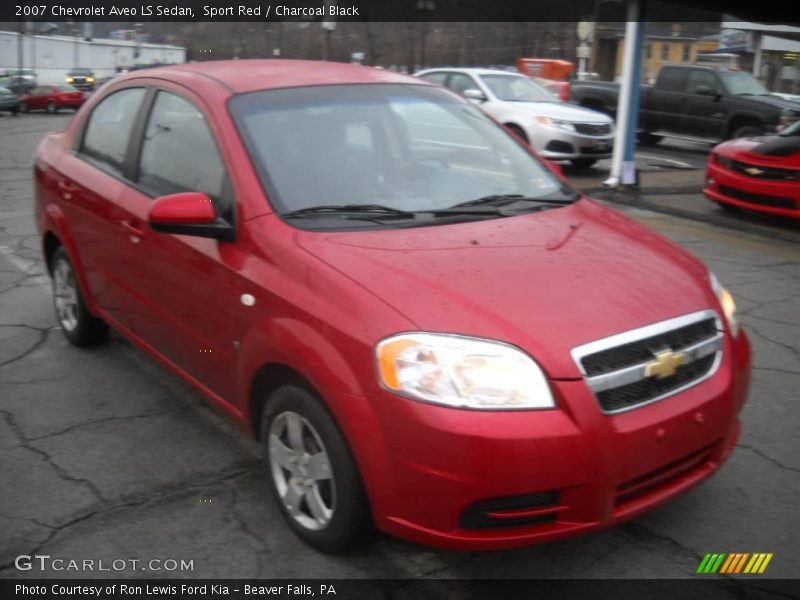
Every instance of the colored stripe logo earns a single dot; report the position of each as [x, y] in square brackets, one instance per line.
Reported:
[735, 562]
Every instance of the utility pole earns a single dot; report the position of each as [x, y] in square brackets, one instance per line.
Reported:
[623, 163]
[20, 62]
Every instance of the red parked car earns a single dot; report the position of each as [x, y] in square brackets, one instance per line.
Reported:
[760, 174]
[52, 98]
[426, 327]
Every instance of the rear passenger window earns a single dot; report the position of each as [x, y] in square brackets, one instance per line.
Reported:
[109, 129]
[178, 151]
[671, 80]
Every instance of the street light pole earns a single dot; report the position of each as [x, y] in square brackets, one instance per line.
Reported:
[623, 164]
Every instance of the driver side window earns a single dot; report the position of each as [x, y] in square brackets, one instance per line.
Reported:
[459, 83]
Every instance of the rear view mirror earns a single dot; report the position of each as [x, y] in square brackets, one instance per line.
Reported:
[473, 94]
[189, 213]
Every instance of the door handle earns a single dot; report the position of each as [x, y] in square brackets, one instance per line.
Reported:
[66, 188]
[134, 231]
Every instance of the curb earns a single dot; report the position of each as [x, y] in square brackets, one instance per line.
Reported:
[636, 201]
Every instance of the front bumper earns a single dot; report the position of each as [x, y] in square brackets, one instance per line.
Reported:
[763, 195]
[430, 470]
[553, 143]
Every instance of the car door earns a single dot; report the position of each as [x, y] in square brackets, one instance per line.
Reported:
[37, 98]
[190, 309]
[91, 181]
[705, 104]
[666, 101]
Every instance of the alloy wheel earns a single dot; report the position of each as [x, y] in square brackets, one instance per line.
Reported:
[301, 471]
[65, 290]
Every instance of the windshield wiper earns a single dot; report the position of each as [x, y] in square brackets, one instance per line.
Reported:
[345, 209]
[505, 199]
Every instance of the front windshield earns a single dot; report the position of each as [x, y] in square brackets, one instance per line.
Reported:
[741, 83]
[513, 88]
[407, 147]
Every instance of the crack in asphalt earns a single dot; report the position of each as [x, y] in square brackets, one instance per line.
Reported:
[62, 473]
[244, 527]
[35, 346]
[169, 492]
[768, 458]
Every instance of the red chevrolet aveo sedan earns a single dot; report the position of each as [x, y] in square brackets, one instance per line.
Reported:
[426, 327]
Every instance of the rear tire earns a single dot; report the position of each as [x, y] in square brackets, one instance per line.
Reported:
[583, 163]
[747, 131]
[23, 107]
[52, 108]
[648, 139]
[80, 327]
[331, 512]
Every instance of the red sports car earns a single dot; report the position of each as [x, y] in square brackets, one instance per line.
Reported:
[427, 328]
[760, 174]
[52, 98]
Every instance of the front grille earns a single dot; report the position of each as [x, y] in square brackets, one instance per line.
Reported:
[642, 350]
[592, 128]
[647, 364]
[761, 172]
[512, 511]
[593, 150]
[775, 201]
[627, 396]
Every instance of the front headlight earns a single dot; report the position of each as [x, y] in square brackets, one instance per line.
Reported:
[70, 80]
[90, 79]
[726, 302]
[462, 372]
[724, 161]
[547, 121]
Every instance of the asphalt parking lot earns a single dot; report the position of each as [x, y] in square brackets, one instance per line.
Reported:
[105, 455]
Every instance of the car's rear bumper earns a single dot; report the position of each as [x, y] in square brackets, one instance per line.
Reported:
[762, 195]
[447, 477]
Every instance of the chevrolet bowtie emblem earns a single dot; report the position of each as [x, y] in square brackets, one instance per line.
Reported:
[665, 364]
[753, 171]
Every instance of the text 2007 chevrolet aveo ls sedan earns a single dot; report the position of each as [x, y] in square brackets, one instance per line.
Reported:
[426, 327]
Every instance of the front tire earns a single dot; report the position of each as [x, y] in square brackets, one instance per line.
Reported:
[648, 139]
[518, 131]
[313, 476]
[80, 327]
[23, 107]
[747, 131]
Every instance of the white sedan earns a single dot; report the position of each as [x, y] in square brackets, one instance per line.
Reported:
[555, 129]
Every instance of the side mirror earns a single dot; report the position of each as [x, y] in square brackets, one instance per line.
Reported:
[473, 94]
[189, 213]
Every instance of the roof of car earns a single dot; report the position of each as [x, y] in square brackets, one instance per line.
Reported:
[240, 76]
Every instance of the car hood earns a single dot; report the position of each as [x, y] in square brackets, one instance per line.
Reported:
[546, 282]
[772, 150]
[559, 110]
